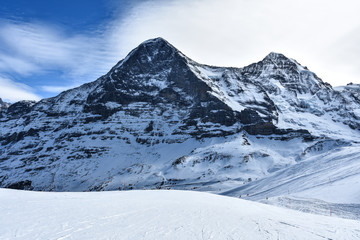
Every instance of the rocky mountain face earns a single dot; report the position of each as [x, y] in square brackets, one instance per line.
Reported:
[160, 120]
[3, 106]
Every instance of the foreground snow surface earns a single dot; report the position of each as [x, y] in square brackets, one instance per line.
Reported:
[158, 214]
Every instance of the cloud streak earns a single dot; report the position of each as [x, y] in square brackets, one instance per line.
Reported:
[12, 91]
[28, 49]
[45, 47]
[17, 65]
[56, 89]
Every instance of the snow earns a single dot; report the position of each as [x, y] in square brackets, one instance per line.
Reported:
[311, 205]
[158, 215]
[226, 84]
[332, 176]
[112, 105]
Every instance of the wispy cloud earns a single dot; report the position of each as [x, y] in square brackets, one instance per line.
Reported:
[12, 91]
[38, 43]
[56, 89]
[33, 48]
[17, 65]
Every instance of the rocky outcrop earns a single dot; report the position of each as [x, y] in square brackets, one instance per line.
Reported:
[19, 109]
[3, 107]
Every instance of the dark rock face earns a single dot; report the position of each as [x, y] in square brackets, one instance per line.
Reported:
[22, 185]
[20, 108]
[264, 128]
[249, 116]
[18, 136]
[158, 74]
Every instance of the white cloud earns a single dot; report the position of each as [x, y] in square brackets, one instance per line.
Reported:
[27, 49]
[57, 89]
[36, 42]
[12, 91]
[17, 65]
[30, 48]
[239, 32]
[321, 34]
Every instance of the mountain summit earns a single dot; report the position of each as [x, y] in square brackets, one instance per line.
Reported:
[158, 119]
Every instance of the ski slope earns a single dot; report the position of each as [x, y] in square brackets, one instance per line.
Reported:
[156, 214]
[332, 176]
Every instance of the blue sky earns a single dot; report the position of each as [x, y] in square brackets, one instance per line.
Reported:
[50, 46]
[76, 15]
[41, 42]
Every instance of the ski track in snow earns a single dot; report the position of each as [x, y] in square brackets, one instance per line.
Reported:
[158, 214]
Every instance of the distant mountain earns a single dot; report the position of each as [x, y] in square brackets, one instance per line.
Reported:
[161, 120]
[3, 106]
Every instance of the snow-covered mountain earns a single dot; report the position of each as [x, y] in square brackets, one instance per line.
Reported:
[161, 120]
[3, 106]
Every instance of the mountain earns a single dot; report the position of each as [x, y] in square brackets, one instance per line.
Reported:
[3, 106]
[158, 119]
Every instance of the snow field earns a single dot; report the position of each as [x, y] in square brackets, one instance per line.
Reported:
[157, 214]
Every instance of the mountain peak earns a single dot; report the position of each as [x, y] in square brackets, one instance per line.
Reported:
[280, 61]
[150, 52]
[155, 46]
[278, 58]
[4, 104]
[156, 41]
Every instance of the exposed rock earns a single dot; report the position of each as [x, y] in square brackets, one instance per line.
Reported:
[22, 185]
[20, 108]
[3, 107]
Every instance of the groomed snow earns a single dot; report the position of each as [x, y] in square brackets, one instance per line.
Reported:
[156, 214]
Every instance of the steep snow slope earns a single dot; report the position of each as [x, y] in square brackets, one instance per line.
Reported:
[158, 215]
[160, 120]
[333, 176]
